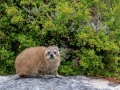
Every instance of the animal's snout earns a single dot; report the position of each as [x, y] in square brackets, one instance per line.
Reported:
[51, 55]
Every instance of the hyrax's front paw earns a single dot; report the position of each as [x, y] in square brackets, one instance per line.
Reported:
[58, 76]
[44, 76]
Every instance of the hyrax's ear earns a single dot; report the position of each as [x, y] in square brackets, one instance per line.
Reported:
[57, 48]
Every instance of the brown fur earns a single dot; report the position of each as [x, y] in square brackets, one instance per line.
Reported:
[34, 61]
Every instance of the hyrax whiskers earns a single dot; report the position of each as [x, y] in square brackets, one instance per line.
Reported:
[38, 60]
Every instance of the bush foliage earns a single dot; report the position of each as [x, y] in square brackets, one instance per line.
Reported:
[87, 32]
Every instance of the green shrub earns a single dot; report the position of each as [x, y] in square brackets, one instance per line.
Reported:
[87, 33]
[99, 53]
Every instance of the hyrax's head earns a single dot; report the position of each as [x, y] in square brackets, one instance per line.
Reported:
[52, 53]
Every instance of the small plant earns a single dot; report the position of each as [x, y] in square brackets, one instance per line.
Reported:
[65, 53]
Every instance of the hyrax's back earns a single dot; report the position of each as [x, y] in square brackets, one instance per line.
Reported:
[27, 61]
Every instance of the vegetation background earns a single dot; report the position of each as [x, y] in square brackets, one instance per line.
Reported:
[87, 32]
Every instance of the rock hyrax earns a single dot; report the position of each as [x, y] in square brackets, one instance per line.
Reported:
[38, 60]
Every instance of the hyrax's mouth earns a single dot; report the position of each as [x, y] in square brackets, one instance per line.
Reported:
[51, 56]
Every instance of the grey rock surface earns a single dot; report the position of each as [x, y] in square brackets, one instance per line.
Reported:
[52, 83]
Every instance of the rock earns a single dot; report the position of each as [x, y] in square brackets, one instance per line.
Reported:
[52, 83]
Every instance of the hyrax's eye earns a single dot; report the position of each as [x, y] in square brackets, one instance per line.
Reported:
[48, 52]
[54, 52]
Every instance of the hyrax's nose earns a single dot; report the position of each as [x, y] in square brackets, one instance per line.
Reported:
[51, 55]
